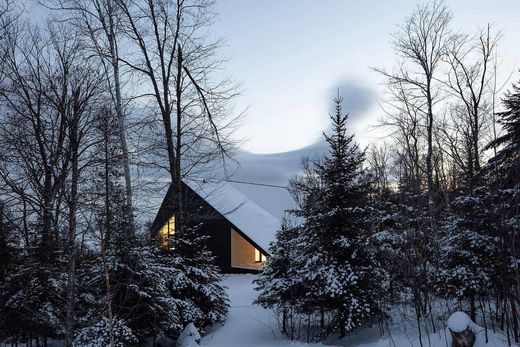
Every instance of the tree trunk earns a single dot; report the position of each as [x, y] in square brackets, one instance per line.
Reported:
[473, 309]
[120, 116]
[178, 177]
[71, 236]
[47, 216]
[308, 327]
[429, 155]
[284, 321]
[514, 316]
[465, 338]
[476, 138]
[104, 239]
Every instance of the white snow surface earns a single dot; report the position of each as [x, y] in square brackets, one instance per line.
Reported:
[459, 322]
[189, 336]
[242, 212]
[274, 200]
[249, 325]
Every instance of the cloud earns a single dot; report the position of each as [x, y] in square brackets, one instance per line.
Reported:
[357, 98]
[277, 168]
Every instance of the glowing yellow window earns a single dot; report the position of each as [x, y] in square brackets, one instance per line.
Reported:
[166, 232]
[259, 257]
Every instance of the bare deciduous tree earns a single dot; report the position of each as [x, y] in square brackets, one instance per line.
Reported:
[50, 98]
[469, 80]
[378, 159]
[170, 52]
[99, 22]
[33, 133]
[404, 117]
[421, 42]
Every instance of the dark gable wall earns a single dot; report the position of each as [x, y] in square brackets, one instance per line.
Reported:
[215, 226]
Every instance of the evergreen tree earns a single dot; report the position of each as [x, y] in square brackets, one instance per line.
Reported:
[6, 241]
[508, 156]
[277, 283]
[197, 279]
[8, 254]
[468, 256]
[338, 263]
[31, 290]
[391, 238]
[327, 266]
[154, 292]
[31, 293]
[139, 274]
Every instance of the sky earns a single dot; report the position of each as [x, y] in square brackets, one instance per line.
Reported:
[291, 57]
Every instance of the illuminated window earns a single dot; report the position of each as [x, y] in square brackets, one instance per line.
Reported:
[243, 254]
[166, 233]
[259, 257]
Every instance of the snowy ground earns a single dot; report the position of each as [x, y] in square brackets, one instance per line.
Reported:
[252, 326]
[246, 325]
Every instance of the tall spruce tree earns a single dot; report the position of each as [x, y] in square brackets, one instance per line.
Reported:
[507, 158]
[469, 248]
[278, 285]
[329, 259]
[503, 177]
[344, 276]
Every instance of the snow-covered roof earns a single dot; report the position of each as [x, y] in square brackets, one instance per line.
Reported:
[252, 220]
[275, 200]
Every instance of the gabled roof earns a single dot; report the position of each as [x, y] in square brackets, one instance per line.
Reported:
[252, 220]
[275, 200]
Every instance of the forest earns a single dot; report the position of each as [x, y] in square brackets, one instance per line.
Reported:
[104, 103]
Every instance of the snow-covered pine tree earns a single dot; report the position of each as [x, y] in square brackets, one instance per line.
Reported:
[153, 292]
[277, 283]
[142, 298]
[337, 260]
[197, 279]
[8, 255]
[139, 275]
[507, 158]
[7, 249]
[391, 238]
[468, 249]
[31, 293]
[503, 178]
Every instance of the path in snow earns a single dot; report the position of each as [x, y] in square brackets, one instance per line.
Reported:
[246, 325]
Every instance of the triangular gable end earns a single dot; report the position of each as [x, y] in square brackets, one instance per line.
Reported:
[240, 231]
[246, 216]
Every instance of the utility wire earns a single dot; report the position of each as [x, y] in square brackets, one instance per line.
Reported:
[203, 180]
[256, 184]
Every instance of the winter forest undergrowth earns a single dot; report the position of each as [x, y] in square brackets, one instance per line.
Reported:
[411, 241]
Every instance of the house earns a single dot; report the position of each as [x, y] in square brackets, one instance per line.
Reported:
[239, 230]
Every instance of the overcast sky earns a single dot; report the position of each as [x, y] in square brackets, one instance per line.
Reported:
[291, 56]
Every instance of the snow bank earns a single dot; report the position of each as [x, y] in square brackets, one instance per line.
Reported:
[189, 337]
[459, 322]
[403, 335]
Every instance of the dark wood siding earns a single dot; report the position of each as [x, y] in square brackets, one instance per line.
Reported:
[219, 241]
[215, 226]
